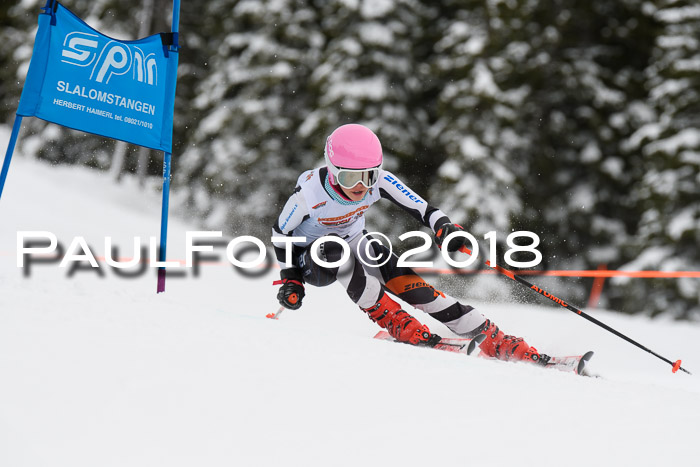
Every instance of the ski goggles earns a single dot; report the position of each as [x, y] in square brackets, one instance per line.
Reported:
[348, 178]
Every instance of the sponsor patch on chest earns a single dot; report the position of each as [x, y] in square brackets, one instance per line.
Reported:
[344, 219]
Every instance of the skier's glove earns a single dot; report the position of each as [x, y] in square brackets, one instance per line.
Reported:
[292, 291]
[455, 242]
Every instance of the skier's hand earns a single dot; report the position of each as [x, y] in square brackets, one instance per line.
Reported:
[455, 242]
[291, 293]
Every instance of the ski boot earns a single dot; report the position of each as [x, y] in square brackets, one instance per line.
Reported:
[401, 326]
[504, 347]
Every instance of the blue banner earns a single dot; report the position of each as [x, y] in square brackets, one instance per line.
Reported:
[82, 79]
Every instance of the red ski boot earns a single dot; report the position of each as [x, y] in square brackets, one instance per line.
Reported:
[504, 347]
[402, 326]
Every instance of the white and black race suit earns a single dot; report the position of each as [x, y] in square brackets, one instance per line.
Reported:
[317, 209]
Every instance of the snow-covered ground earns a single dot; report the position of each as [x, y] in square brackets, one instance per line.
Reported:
[101, 371]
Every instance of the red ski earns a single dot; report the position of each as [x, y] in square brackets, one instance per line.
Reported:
[456, 345]
[572, 363]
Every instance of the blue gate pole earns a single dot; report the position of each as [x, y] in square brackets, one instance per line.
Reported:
[164, 220]
[166, 179]
[10, 151]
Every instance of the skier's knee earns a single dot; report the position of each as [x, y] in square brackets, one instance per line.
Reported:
[316, 274]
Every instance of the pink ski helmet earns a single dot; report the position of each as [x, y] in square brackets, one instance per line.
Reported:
[353, 154]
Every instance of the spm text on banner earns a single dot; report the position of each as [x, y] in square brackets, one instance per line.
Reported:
[77, 73]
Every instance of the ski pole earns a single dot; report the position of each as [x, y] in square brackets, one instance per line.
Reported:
[675, 365]
[275, 315]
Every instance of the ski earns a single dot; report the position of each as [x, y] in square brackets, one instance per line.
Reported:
[570, 364]
[455, 345]
[574, 363]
